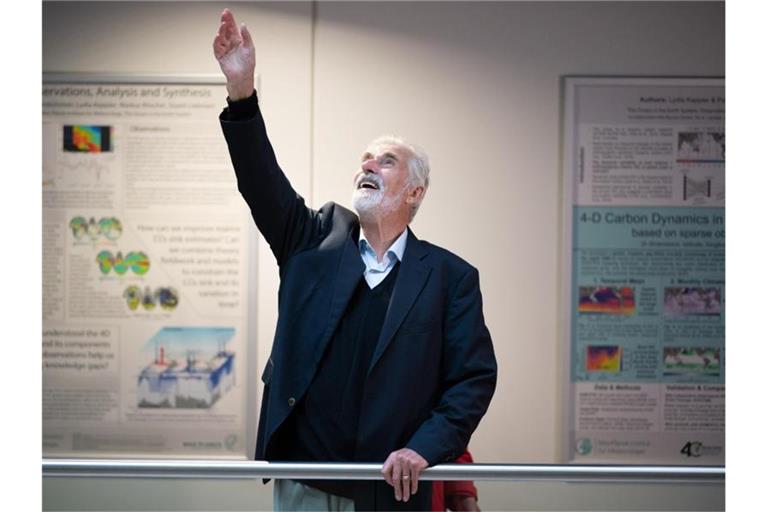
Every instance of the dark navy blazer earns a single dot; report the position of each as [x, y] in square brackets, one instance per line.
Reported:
[433, 370]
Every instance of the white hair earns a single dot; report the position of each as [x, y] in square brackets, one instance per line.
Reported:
[418, 163]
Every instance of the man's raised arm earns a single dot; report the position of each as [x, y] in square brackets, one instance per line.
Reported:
[279, 212]
[233, 48]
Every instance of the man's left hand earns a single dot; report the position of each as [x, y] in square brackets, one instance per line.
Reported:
[402, 470]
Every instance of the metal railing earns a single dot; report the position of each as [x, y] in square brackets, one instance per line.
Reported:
[103, 468]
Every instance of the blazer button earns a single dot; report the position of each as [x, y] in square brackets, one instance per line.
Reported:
[291, 402]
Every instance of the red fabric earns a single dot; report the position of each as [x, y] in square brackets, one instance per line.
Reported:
[442, 490]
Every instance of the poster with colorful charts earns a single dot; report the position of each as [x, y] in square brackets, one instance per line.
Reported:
[644, 270]
[148, 251]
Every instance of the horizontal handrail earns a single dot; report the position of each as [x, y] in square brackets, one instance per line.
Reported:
[126, 468]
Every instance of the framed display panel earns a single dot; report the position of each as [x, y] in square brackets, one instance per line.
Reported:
[148, 250]
[644, 270]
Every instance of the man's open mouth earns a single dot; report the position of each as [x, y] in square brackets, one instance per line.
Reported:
[367, 184]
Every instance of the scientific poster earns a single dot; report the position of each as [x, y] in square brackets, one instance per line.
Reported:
[645, 302]
[145, 272]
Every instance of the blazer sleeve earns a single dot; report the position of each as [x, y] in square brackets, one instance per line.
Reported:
[468, 381]
[280, 213]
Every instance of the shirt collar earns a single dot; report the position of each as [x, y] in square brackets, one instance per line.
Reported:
[397, 248]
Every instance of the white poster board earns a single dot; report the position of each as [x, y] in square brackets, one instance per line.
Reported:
[146, 262]
[644, 270]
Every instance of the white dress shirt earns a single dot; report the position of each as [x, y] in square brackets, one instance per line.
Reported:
[376, 271]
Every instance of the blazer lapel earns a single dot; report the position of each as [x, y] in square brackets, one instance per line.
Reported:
[411, 278]
[351, 268]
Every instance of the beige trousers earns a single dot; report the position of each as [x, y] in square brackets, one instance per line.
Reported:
[292, 495]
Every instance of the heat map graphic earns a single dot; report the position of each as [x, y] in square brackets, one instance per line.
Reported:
[137, 261]
[82, 138]
[612, 300]
[166, 296]
[604, 358]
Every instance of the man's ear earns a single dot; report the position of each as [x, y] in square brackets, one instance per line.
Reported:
[415, 195]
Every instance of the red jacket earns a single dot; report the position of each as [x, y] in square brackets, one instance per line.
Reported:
[442, 490]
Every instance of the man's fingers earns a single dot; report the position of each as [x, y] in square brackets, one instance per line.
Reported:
[247, 39]
[228, 36]
[228, 28]
[220, 47]
[387, 470]
[227, 17]
[402, 470]
[411, 475]
[397, 481]
[406, 481]
[414, 482]
[226, 21]
[222, 38]
[228, 33]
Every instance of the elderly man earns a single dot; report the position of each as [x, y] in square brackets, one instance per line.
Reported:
[381, 352]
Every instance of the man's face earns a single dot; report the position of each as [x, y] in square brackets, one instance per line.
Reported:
[381, 184]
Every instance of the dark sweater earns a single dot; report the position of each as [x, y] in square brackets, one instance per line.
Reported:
[323, 426]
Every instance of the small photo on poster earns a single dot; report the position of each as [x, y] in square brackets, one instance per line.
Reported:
[187, 368]
[700, 147]
[691, 361]
[86, 138]
[604, 358]
[692, 301]
[694, 189]
[610, 300]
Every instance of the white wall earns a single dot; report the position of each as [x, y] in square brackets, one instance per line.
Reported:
[476, 84]
[176, 38]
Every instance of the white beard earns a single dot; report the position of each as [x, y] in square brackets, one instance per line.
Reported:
[370, 202]
[367, 200]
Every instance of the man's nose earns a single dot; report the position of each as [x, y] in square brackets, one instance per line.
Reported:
[370, 165]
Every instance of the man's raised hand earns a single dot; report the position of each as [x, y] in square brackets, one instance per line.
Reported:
[233, 48]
